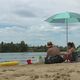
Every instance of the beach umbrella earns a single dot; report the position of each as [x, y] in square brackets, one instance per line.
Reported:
[64, 18]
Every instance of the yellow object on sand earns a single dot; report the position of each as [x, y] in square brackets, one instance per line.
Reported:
[10, 63]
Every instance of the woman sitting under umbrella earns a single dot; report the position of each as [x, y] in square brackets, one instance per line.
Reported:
[69, 56]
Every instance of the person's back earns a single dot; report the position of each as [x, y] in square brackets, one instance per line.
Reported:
[53, 51]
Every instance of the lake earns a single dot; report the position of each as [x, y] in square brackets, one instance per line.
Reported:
[22, 56]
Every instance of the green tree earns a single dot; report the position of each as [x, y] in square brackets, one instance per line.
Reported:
[23, 47]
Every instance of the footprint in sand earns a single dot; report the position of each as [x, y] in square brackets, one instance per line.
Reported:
[78, 72]
[4, 70]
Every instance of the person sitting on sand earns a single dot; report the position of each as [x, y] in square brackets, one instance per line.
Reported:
[70, 51]
[53, 54]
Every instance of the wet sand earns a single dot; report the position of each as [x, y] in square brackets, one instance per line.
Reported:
[63, 71]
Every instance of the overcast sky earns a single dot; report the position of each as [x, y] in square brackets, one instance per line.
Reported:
[24, 20]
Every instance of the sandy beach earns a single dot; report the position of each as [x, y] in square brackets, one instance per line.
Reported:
[63, 71]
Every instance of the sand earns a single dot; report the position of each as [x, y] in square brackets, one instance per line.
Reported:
[63, 71]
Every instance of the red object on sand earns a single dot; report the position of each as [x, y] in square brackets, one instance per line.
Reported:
[29, 61]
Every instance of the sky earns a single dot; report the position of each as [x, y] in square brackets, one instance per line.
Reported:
[24, 20]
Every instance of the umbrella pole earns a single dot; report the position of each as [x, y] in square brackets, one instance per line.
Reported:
[66, 22]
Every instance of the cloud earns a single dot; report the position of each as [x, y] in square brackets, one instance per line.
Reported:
[74, 28]
[24, 20]
[25, 13]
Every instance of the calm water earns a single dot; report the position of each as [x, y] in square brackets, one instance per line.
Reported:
[22, 57]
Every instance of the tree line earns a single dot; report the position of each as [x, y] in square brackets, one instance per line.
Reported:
[21, 47]
[13, 47]
[24, 47]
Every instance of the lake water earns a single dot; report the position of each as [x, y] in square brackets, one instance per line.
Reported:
[22, 57]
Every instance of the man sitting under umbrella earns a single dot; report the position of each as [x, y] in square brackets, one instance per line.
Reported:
[53, 54]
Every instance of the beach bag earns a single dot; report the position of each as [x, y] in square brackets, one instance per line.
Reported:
[53, 59]
[74, 56]
[78, 57]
